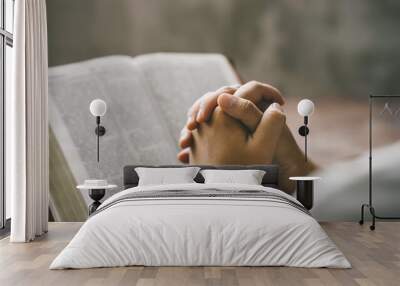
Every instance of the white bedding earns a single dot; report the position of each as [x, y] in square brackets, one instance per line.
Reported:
[200, 231]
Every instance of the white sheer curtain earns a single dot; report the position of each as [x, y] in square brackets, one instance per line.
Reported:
[27, 124]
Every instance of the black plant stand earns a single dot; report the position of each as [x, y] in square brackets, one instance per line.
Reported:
[305, 190]
[305, 193]
[96, 195]
[370, 203]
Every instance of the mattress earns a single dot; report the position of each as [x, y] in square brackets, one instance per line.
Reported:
[201, 225]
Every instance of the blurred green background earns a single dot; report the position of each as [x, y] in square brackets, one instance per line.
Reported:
[306, 48]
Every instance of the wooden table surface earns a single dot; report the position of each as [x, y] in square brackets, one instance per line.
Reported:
[375, 257]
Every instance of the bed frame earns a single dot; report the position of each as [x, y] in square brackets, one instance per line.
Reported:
[131, 178]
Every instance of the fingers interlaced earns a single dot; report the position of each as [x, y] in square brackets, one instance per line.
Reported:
[209, 102]
[183, 155]
[191, 123]
[245, 103]
[242, 109]
[186, 138]
[261, 94]
[201, 111]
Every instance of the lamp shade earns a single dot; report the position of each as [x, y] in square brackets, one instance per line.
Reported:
[98, 107]
[305, 107]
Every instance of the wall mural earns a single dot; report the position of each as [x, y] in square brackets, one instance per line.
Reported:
[333, 52]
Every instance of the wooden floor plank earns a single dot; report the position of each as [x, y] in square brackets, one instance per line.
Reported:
[375, 257]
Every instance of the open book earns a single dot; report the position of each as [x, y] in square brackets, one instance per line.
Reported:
[147, 100]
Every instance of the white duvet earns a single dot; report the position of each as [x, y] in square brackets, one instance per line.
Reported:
[200, 231]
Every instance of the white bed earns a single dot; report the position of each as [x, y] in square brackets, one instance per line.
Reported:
[184, 230]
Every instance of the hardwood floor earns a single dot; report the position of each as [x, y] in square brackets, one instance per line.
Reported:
[375, 257]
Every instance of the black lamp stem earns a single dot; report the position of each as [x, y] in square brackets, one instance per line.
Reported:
[305, 147]
[98, 138]
[305, 138]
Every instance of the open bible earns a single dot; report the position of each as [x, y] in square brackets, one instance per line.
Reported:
[147, 97]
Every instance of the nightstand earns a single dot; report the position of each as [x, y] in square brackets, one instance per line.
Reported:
[97, 191]
[305, 190]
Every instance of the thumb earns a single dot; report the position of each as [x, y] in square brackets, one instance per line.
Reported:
[241, 109]
[270, 128]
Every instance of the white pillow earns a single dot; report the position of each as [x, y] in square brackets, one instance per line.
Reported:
[248, 177]
[162, 176]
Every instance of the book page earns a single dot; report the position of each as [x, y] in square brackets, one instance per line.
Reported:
[175, 81]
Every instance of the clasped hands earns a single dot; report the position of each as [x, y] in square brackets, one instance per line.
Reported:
[243, 125]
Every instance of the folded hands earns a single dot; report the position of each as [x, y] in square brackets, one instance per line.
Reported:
[243, 125]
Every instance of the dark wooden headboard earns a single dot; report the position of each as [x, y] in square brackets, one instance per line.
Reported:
[131, 178]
